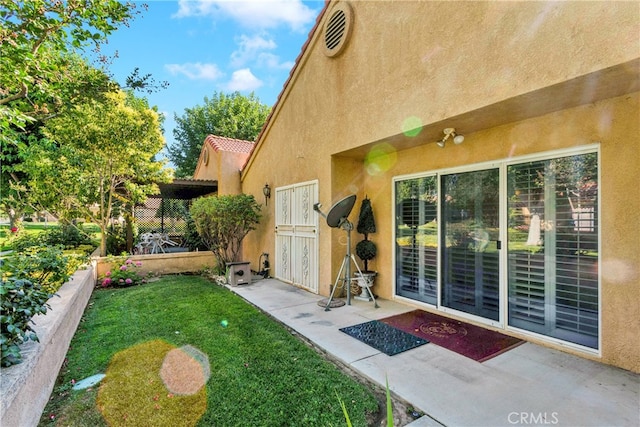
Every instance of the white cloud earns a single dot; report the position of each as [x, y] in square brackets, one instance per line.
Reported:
[243, 81]
[254, 50]
[255, 14]
[270, 60]
[188, 8]
[196, 71]
[249, 49]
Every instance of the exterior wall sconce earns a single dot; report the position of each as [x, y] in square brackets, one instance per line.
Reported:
[267, 194]
[450, 133]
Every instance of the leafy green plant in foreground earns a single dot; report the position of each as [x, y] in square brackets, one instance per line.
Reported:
[20, 300]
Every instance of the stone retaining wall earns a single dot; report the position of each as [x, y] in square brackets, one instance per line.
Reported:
[169, 263]
[25, 388]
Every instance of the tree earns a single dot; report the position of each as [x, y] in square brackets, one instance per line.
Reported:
[232, 116]
[35, 35]
[223, 221]
[42, 74]
[103, 153]
[79, 83]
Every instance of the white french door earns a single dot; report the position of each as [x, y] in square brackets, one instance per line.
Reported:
[296, 230]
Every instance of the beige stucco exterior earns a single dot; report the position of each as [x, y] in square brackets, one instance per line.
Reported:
[224, 166]
[515, 78]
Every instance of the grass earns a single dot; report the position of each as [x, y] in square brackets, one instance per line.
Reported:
[29, 228]
[40, 227]
[260, 374]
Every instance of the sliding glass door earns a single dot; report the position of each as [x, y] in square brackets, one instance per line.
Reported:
[469, 236]
[515, 243]
[417, 239]
[553, 247]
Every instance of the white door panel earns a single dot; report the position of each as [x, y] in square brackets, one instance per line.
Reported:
[297, 235]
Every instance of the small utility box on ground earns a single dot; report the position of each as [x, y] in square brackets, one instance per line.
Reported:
[238, 273]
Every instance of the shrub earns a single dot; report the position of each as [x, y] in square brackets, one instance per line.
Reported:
[192, 239]
[116, 239]
[22, 241]
[366, 249]
[21, 299]
[127, 273]
[85, 249]
[67, 235]
[223, 221]
[47, 266]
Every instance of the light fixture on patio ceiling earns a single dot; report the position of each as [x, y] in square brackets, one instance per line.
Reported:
[267, 194]
[450, 132]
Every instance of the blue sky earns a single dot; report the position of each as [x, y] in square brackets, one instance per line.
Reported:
[202, 47]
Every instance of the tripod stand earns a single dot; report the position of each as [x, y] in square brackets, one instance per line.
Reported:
[337, 218]
[345, 280]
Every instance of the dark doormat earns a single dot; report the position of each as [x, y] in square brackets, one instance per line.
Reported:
[383, 337]
[469, 340]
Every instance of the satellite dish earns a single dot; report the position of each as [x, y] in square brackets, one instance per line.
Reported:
[340, 211]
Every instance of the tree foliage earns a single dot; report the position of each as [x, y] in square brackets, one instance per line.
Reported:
[223, 221]
[42, 74]
[35, 36]
[78, 83]
[232, 116]
[104, 152]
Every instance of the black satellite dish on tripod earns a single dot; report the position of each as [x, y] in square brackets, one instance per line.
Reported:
[340, 211]
[338, 217]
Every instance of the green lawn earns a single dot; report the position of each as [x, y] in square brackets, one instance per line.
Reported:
[261, 375]
[29, 228]
[36, 228]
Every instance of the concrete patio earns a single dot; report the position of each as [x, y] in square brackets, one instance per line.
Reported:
[529, 385]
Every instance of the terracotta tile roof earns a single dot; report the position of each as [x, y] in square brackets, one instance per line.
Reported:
[220, 143]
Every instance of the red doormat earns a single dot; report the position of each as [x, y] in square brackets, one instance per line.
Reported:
[469, 340]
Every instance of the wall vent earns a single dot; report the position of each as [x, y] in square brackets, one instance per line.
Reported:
[337, 29]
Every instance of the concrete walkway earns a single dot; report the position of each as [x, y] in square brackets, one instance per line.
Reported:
[529, 385]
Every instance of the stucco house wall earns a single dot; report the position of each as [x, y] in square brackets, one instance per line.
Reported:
[221, 159]
[513, 78]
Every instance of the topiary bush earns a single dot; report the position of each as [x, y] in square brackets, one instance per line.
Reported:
[20, 300]
[366, 249]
